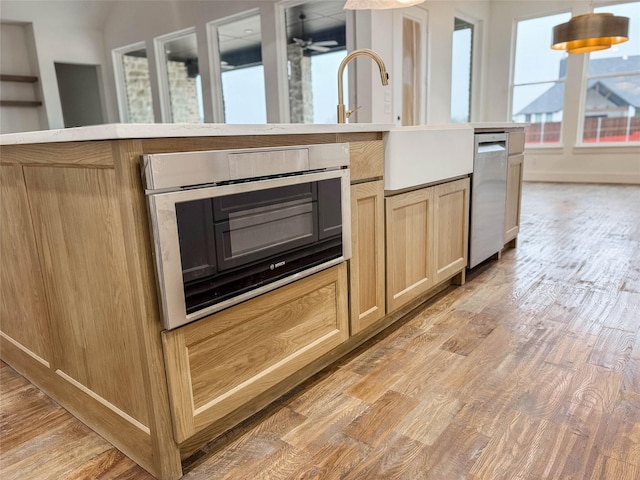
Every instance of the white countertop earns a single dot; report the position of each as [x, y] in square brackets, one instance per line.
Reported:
[497, 125]
[116, 131]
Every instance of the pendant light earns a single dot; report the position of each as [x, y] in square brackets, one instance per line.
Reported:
[590, 32]
[379, 4]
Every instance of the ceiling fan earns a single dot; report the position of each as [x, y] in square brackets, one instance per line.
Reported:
[310, 44]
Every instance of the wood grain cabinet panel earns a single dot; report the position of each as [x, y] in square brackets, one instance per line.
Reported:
[220, 363]
[23, 308]
[76, 216]
[409, 225]
[516, 142]
[366, 160]
[366, 273]
[514, 196]
[451, 220]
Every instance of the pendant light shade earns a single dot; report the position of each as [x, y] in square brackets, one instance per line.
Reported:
[590, 32]
[379, 4]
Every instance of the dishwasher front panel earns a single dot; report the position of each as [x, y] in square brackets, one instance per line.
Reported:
[488, 197]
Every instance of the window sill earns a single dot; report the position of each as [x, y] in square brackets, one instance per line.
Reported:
[599, 148]
[551, 149]
[584, 148]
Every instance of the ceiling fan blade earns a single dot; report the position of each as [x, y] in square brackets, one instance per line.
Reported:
[327, 43]
[318, 48]
[299, 42]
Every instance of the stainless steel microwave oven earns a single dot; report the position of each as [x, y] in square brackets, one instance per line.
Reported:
[229, 225]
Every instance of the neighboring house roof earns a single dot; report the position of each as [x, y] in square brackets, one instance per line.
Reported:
[549, 102]
[623, 90]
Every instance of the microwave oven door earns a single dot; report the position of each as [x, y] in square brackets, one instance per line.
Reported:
[252, 229]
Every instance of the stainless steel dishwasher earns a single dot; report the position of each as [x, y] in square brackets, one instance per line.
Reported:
[488, 196]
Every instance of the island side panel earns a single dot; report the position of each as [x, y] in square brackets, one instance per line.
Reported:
[78, 226]
[67, 199]
[24, 318]
[127, 156]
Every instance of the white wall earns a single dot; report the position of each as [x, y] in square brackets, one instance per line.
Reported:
[63, 31]
[16, 59]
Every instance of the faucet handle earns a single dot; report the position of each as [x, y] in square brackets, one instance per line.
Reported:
[349, 112]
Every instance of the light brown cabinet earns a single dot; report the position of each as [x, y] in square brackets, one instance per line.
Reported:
[451, 231]
[366, 267]
[426, 234]
[24, 318]
[515, 164]
[222, 362]
[409, 236]
[79, 314]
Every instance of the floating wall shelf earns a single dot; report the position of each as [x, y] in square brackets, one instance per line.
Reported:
[19, 103]
[18, 78]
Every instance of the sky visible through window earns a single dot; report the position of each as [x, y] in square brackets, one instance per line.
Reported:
[461, 75]
[244, 97]
[631, 47]
[535, 62]
[324, 72]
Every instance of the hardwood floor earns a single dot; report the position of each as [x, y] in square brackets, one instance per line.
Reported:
[531, 370]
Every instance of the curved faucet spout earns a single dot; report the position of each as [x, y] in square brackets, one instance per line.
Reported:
[343, 114]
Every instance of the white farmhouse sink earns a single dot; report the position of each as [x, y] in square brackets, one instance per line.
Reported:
[426, 154]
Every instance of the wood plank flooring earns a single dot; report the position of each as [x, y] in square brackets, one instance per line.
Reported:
[531, 370]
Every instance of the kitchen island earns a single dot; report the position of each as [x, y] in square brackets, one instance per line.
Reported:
[80, 316]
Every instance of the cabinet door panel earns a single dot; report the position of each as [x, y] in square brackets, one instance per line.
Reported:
[77, 223]
[451, 207]
[514, 195]
[23, 308]
[367, 259]
[409, 225]
[220, 363]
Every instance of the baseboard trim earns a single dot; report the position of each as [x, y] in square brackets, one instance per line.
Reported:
[582, 177]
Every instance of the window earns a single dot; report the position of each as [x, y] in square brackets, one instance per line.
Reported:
[237, 59]
[133, 84]
[538, 80]
[612, 92]
[316, 44]
[180, 83]
[461, 60]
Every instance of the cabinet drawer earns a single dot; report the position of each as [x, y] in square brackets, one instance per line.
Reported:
[222, 362]
[366, 160]
[516, 142]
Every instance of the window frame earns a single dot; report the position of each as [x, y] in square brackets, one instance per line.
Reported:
[475, 63]
[118, 71]
[584, 88]
[166, 113]
[513, 85]
[217, 93]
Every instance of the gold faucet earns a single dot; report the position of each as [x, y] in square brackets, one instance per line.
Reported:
[343, 114]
